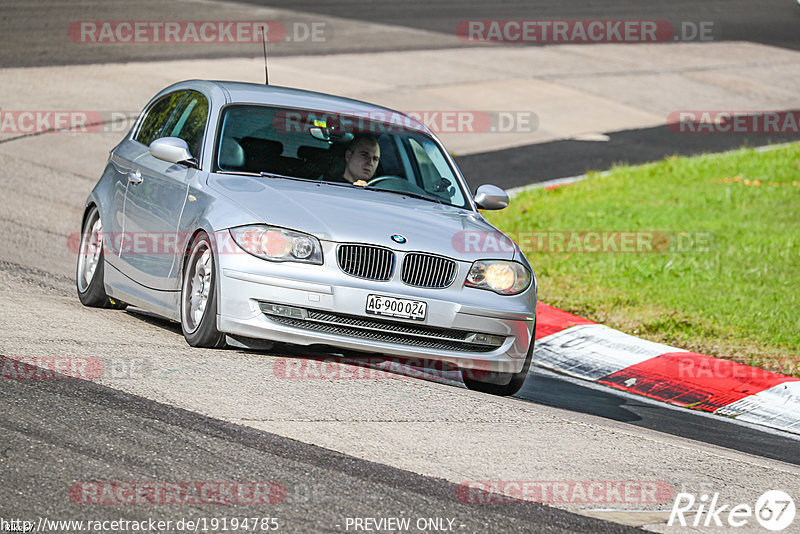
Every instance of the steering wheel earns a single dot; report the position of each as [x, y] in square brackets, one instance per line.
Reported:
[384, 178]
[397, 183]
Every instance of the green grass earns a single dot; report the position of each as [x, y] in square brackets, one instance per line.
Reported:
[738, 298]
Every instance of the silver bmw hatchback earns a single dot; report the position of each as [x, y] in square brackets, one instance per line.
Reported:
[252, 212]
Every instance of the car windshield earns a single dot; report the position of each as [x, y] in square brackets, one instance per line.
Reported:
[383, 151]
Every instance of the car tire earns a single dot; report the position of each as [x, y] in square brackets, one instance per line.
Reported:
[91, 265]
[499, 383]
[199, 296]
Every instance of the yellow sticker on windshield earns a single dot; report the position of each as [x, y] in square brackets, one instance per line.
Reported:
[319, 123]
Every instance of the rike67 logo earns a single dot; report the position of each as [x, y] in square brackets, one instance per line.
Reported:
[774, 510]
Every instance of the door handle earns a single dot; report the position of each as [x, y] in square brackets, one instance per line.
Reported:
[135, 177]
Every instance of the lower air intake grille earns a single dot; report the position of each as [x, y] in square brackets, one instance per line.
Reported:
[386, 331]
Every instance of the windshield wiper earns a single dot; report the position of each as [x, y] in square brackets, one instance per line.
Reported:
[404, 193]
[266, 174]
[262, 174]
[243, 173]
[409, 194]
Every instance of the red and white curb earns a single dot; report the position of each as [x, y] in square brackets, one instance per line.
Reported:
[575, 346]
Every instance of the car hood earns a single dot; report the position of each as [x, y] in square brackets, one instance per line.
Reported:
[351, 214]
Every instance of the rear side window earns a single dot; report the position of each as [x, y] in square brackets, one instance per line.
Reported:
[189, 121]
[157, 116]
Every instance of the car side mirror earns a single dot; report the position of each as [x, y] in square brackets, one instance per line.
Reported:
[173, 150]
[491, 197]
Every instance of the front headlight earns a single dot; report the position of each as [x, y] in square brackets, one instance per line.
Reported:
[278, 244]
[500, 276]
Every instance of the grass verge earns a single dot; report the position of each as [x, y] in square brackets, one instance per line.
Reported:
[721, 275]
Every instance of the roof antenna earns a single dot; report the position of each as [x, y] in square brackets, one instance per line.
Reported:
[264, 41]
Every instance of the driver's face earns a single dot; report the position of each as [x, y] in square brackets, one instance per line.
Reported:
[362, 160]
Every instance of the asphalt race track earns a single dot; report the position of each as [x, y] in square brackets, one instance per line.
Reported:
[558, 159]
[381, 447]
[772, 22]
[30, 37]
[85, 431]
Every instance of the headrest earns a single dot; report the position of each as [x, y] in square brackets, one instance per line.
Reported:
[261, 148]
[231, 154]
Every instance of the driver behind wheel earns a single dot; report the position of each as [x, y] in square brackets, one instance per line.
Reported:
[361, 160]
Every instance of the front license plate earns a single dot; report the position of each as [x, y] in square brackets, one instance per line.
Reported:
[394, 307]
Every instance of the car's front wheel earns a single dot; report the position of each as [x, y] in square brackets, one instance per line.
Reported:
[199, 296]
[91, 265]
[499, 383]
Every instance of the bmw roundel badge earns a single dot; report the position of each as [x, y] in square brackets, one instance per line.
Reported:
[397, 238]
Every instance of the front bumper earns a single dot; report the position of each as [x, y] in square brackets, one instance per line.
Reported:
[334, 313]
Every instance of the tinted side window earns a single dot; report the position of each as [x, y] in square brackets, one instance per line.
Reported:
[154, 122]
[189, 121]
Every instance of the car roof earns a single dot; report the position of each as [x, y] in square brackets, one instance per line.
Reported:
[254, 93]
[271, 94]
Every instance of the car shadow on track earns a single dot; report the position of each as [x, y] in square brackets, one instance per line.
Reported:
[541, 387]
[153, 319]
